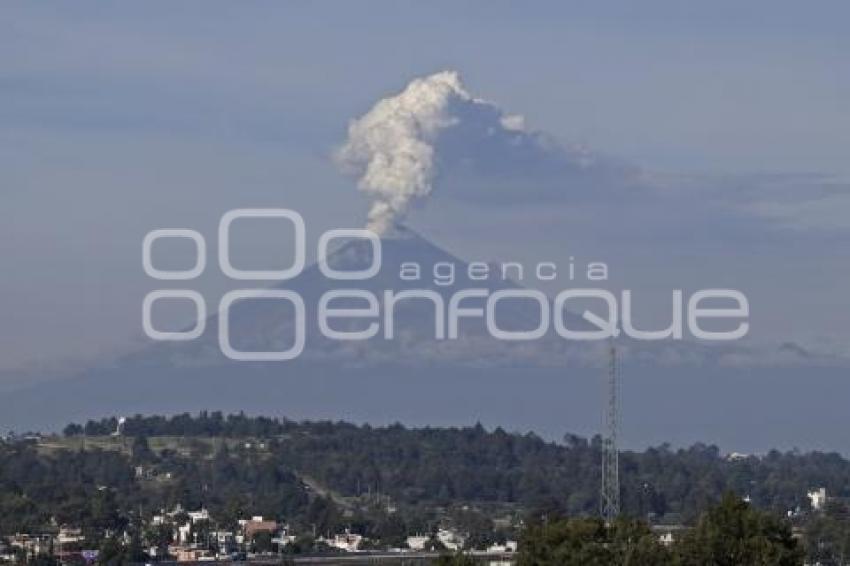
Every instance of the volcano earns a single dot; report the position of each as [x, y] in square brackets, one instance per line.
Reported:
[672, 392]
[409, 263]
[171, 377]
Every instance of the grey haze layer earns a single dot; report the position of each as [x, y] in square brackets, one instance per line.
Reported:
[675, 393]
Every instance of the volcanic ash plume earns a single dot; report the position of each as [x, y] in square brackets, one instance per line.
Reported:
[392, 148]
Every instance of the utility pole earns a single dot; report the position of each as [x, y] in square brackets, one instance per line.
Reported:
[610, 492]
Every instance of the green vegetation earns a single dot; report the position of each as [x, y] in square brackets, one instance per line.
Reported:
[731, 533]
[828, 535]
[446, 465]
[734, 533]
[589, 542]
[386, 483]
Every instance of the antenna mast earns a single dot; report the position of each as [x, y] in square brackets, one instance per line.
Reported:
[610, 493]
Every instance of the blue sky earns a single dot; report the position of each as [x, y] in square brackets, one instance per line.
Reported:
[121, 118]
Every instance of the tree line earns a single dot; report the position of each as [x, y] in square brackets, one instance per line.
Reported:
[442, 465]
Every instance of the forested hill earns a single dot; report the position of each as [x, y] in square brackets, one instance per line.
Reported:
[448, 465]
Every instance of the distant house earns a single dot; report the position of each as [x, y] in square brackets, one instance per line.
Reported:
[346, 541]
[164, 517]
[417, 542]
[202, 515]
[184, 532]
[183, 554]
[143, 473]
[225, 541]
[70, 535]
[509, 546]
[667, 534]
[32, 544]
[451, 539]
[257, 525]
[817, 498]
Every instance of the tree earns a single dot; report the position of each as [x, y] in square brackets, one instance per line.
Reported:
[477, 527]
[141, 450]
[301, 545]
[585, 541]
[323, 514]
[733, 533]
[134, 551]
[828, 534]
[262, 542]
[73, 429]
[160, 536]
[111, 552]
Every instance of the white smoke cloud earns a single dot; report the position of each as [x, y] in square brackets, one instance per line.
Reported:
[391, 147]
[435, 129]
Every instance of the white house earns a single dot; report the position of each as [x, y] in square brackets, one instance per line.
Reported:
[70, 535]
[183, 533]
[202, 515]
[509, 546]
[817, 498]
[450, 539]
[417, 542]
[346, 541]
